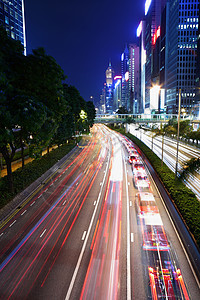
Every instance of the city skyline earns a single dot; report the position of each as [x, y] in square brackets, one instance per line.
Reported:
[83, 37]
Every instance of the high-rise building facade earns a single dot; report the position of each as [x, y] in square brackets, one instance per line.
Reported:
[196, 108]
[125, 77]
[142, 61]
[109, 89]
[133, 78]
[153, 11]
[182, 54]
[12, 19]
[130, 77]
[117, 93]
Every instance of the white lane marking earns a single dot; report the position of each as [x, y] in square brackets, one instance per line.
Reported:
[51, 184]
[56, 179]
[32, 203]
[100, 183]
[77, 183]
[132, 237]
[45, 190]
[43, 233]
[84, 234]
[64, 202]
[128, 183]
[85, 242]
[13, 223]
[128, 262]
[130, 203]
[1, 234]
[23, 212]
[40, 196]
[95, 203]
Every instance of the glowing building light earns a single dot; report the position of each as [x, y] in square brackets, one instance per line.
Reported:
[117, 77]
[127, 76]
[122, 57]
[156, 35]
[117, 83]
[139, 29]
[147, 5]
[154, 97]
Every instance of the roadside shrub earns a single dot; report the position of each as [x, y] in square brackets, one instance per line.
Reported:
[22, 178]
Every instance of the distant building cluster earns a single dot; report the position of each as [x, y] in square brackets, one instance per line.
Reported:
[165, 60]
[122, 90]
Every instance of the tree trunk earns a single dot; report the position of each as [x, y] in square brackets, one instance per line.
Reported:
[22, 152]
[10, 176]
[48, 149]
[8, 156]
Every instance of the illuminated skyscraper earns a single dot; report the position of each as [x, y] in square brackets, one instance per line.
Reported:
[12, 19]
[117, 92]
[125, 77]
[133, 78]
[142, 61]
[153, 10]
[182, 54]
[109, 89]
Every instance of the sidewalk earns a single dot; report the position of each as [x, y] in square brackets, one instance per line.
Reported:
[18, 163]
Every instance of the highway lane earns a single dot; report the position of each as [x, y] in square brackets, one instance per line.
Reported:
[186, 152]
[29, 233]
[155, 228]
[80, 236]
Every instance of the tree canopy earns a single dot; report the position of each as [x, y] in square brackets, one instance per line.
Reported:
[37, 107]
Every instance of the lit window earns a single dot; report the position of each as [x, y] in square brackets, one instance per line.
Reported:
[6, 20]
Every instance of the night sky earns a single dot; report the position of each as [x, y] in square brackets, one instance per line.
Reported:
[83, 36]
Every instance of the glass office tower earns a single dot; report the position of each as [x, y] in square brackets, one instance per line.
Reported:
[182, 54]
[12, 19]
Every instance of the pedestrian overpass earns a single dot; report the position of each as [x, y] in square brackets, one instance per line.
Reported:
[140, 118]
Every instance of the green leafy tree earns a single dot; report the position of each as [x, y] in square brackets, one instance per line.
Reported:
[122, 110]
[91, 113]
[66, 124]
[190, 167]
[43, 81]
[31, 116]
[185, 127]
[11, 55]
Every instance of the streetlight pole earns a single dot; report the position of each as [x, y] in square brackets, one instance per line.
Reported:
[179, 112]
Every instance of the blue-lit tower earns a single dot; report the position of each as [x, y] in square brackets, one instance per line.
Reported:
[12, 19]
[109, 89]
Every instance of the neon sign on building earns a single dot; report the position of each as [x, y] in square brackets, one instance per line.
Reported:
[156, 35]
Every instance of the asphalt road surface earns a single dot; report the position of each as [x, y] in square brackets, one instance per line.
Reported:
[185, 153]
[85, 234]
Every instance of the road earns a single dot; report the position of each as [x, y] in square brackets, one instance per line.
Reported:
[186, 152]
[82, 234]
